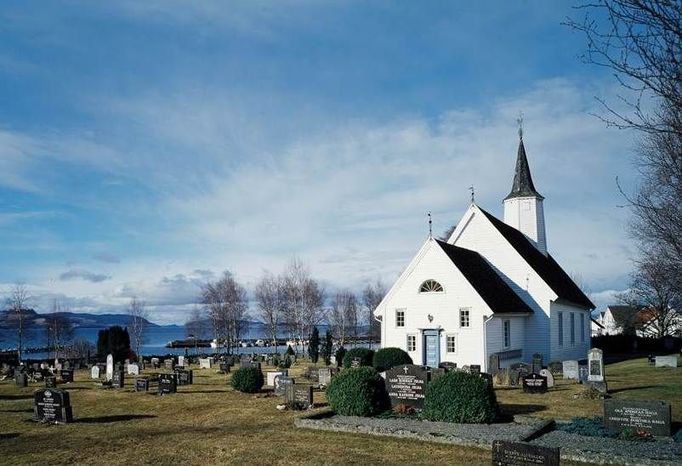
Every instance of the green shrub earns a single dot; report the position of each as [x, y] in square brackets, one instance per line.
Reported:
[366, 356]
[460, 397]
[358, 391]
[247, 379]
[386, 358]
[339, 355]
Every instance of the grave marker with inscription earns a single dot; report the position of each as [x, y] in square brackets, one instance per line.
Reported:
[142, 384]
[299, 396]
[281, 383]
[595, 364]
[52, 405]
[406, 385]
[168, 383]
[21, 379]
[537, 363]
[534, 383]
[651, 416]
[270, 376]
[110, 368]
[549, 376]
[570, 370]
[94, 372]
[324, 376]
[118, 381]
[666, 361]
[523, 454]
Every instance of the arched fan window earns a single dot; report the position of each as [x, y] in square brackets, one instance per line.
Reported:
[431, 286]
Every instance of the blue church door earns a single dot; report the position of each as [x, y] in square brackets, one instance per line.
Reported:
[431, 348]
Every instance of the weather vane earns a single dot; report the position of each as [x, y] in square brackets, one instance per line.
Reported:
[430, 225]
[473, 193]
[519, 121]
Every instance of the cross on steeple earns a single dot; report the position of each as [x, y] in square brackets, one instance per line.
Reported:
[430, 225]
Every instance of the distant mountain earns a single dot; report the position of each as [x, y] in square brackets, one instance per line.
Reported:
[32, 319]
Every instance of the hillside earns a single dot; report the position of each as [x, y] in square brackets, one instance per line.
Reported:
[32, 319]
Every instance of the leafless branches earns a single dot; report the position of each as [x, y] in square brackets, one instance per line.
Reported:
[371, 297]
[59, 329]
[271, 300]
[227, 304]
[138, 323]
[344, 315]
[17, 302]
[304, 298]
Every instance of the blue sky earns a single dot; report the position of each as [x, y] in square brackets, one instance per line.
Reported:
[147, 146]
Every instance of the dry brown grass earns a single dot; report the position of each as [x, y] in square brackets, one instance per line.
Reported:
[209, 423]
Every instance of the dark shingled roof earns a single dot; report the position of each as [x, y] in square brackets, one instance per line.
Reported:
[624, 315]
[545, 266]
[488, 284]
[523, 182]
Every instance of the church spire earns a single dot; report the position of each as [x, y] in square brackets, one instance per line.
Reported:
[523, 182]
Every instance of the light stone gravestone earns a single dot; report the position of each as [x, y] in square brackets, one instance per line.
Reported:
[181, 361]
[155, 363]
[550, 377]
[110, 368]
[595, 364]
[325, 376]
[57, 365]
[133, 369]
[205, 363]
[94, 372]
[570, 370]
[270, 376]
[666, 361]
[281, 383]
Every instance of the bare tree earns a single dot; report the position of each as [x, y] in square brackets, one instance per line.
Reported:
[195, 327]
[344, 315]
[304, 301]
[271, 301]
[17, 302]
[59, 329]
[227, 303]
[138, 323]
[371, 297]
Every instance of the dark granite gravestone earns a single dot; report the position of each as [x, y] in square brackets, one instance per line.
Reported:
[355, 361]
[583, 373]
[21, 379]
[118, 380]
[66, 375]
[299, 396]
[493, 364]
[487, 378]
[51, 381]
[536, 363]
[447, 365]
[475, 369]
[142, 384]
[224, 368]
[168, 383]
[406, 384]
[281, 384]
[523, 454]
[534, 383]
[52, 405]
[652, 359]
[184, 376]
[650, 416]
[250, 363]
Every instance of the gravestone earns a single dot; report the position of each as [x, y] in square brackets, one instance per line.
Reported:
[118, 380]
[549, 376]
[133, 369]
[57, 365]
[652, 359]
[355, 361]
[51, 381]
[250, 363]
[299, 396]
[94, 372]
[556, 367]
[205, 363]
[534, 383]
[595, 364]
[313, 373]
[21, 379]
[181, 361]
[475, 369]
[406, 384]
[493, 364]
[281, 383]
[324, 376]
[224, 367]
[168, 383]
[651, 416]
[448, 366]
[270, 376]
[536, 363]
[142, 384]
[570, 370]
[184, 376]
[666, 361]
[110, 368]
[169, 364]
[52, 405]
[66, 375]
[523, 454]
[517, 372]
[155, 363]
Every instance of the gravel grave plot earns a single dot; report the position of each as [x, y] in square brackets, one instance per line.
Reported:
[600, 450]
[479, 435]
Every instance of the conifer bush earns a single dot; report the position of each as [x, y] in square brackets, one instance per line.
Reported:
[357, 391]
[460, 397]
[366, 357]
[247, 380]
[387, 358]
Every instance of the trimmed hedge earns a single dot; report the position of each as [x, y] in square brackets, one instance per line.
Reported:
[366, 357]
[357, 391]
[460, 397]
[247, 380]
[386, 358]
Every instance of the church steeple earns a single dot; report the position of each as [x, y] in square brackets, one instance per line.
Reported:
[523, 208]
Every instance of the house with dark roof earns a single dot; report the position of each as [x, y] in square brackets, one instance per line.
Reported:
[642, 321]
[491, 288]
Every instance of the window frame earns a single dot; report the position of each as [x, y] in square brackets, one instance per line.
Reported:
[435, 284]
[412, 337]
[572, 324]
[400, 313]
[454, 343]
[561, 328]
[462, 310]
[506, 332]
[582, 327]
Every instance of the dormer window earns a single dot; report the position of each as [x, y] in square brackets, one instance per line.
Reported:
[431, 286]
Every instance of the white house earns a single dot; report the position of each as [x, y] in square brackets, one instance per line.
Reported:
[639, 320]
[491, 288]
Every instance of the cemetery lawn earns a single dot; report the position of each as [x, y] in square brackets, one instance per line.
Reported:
[209, 423]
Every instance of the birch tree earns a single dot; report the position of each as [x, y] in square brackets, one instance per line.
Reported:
[138, 323]
[17, 302]
[304, 301]
[271, 302]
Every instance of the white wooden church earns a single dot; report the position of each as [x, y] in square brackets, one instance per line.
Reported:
[491, 288]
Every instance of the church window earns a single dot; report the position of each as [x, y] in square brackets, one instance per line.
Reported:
[572, 320]
[561, 329]
[411, 343]
[430, 286]
[464, 317]
[451, 344]
[582, 328]
[400, 318]
[507, 333]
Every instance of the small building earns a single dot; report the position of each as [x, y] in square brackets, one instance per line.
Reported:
[492, 287]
